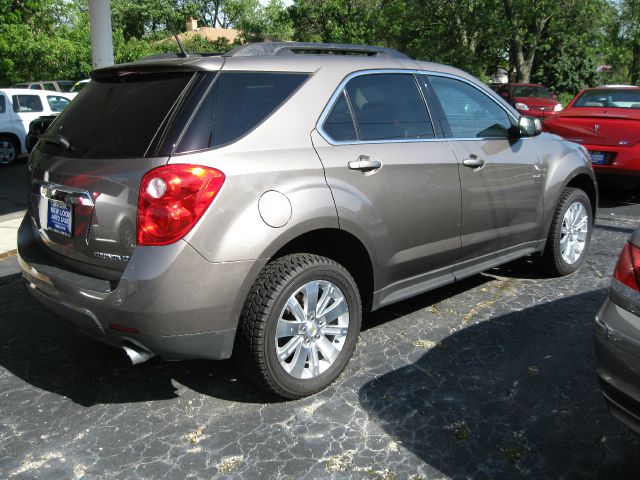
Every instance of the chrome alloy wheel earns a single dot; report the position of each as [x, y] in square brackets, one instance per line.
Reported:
[573, 235]
[312, 329]
[7, 152]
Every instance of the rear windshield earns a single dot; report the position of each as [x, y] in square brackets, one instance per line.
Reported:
[609, 98]
[236, 104]
[117, 117]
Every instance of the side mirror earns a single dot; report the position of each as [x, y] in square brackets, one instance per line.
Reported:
[528, 127]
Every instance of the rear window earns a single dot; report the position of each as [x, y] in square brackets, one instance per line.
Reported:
[27, 103]
[236, 104]
[117, 117]
[609, 98]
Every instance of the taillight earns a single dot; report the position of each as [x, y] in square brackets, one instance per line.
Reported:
[627, 269]
[172, 199]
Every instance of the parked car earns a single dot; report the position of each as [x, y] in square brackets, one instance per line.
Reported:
[18, 108]
[531, 99]
[51, 85]
[257, 203]
[36, 128]
[618, 338]
[606, 120]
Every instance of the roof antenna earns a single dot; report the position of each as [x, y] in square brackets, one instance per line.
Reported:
[183, 52]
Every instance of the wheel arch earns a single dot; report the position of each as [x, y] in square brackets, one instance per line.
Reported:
[15, 138]
[341, 246]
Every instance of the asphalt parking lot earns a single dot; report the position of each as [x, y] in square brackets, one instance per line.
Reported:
[490, 378]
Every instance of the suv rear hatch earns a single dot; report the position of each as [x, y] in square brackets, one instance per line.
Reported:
[87, 168]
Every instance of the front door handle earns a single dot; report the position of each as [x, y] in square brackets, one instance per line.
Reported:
[365, 164]
[473, 162]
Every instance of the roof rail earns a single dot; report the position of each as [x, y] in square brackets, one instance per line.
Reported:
[165, 56]
[270, 49]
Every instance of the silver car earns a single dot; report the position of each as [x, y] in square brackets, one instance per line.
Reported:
[255, 204]
[618, 338]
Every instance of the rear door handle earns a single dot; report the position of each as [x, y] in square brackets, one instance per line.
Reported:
[473, 162]
[365, 164]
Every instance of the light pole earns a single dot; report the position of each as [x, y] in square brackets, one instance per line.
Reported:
[101, 37]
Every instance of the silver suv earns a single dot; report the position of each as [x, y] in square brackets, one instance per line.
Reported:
[255, 204]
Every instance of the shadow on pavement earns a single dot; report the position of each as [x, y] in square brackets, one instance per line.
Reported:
[508, 398]
[13, 188]
[611, 197]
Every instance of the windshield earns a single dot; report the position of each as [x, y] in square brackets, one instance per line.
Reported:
[609, 98]
[530, 91]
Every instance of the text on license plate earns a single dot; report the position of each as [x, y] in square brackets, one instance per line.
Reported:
[60, 218]
[598, 157]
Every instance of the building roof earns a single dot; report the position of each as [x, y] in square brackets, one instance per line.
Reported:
[211, 34]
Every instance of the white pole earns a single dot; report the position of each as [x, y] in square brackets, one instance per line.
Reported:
[101, 39]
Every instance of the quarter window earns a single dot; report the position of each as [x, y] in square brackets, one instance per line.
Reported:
[339, 124]
[389, 107]
[57, 103]
[468, 112]
[27, 103]
[3, 104]
[237, 103]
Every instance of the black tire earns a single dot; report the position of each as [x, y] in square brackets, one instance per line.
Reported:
[9, 150]
[552, 260]
[255, 348]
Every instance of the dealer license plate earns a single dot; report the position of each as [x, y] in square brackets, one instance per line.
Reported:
[598, 157]
[60, 218]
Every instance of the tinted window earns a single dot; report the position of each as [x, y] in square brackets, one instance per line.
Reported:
[339, 124]
[237, 103]
[65, 85]
[35, 86]
[49, 86]
[3, 104]
[469, 112]
[56, 103]
[27, 103]
[389, 107]
[117, 117]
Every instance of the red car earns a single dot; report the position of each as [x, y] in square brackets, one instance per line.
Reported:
[530, 99]
[606, 120]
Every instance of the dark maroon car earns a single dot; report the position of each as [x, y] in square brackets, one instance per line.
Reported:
[531, 99]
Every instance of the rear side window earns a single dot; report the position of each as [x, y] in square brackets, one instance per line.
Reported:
[35, 86]
[389, 107]
[237, 103]
[50, 86]
[117, 117]
[339, 123]
[3, 104]
[468, 112]
[57, 103]
[27, 103]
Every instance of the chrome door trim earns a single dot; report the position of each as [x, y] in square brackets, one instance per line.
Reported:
[330, 104]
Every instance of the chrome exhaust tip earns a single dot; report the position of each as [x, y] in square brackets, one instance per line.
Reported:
[137, 354]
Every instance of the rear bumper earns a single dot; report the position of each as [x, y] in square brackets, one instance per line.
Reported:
[624, 160]
[618, 357]
[169, 300]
